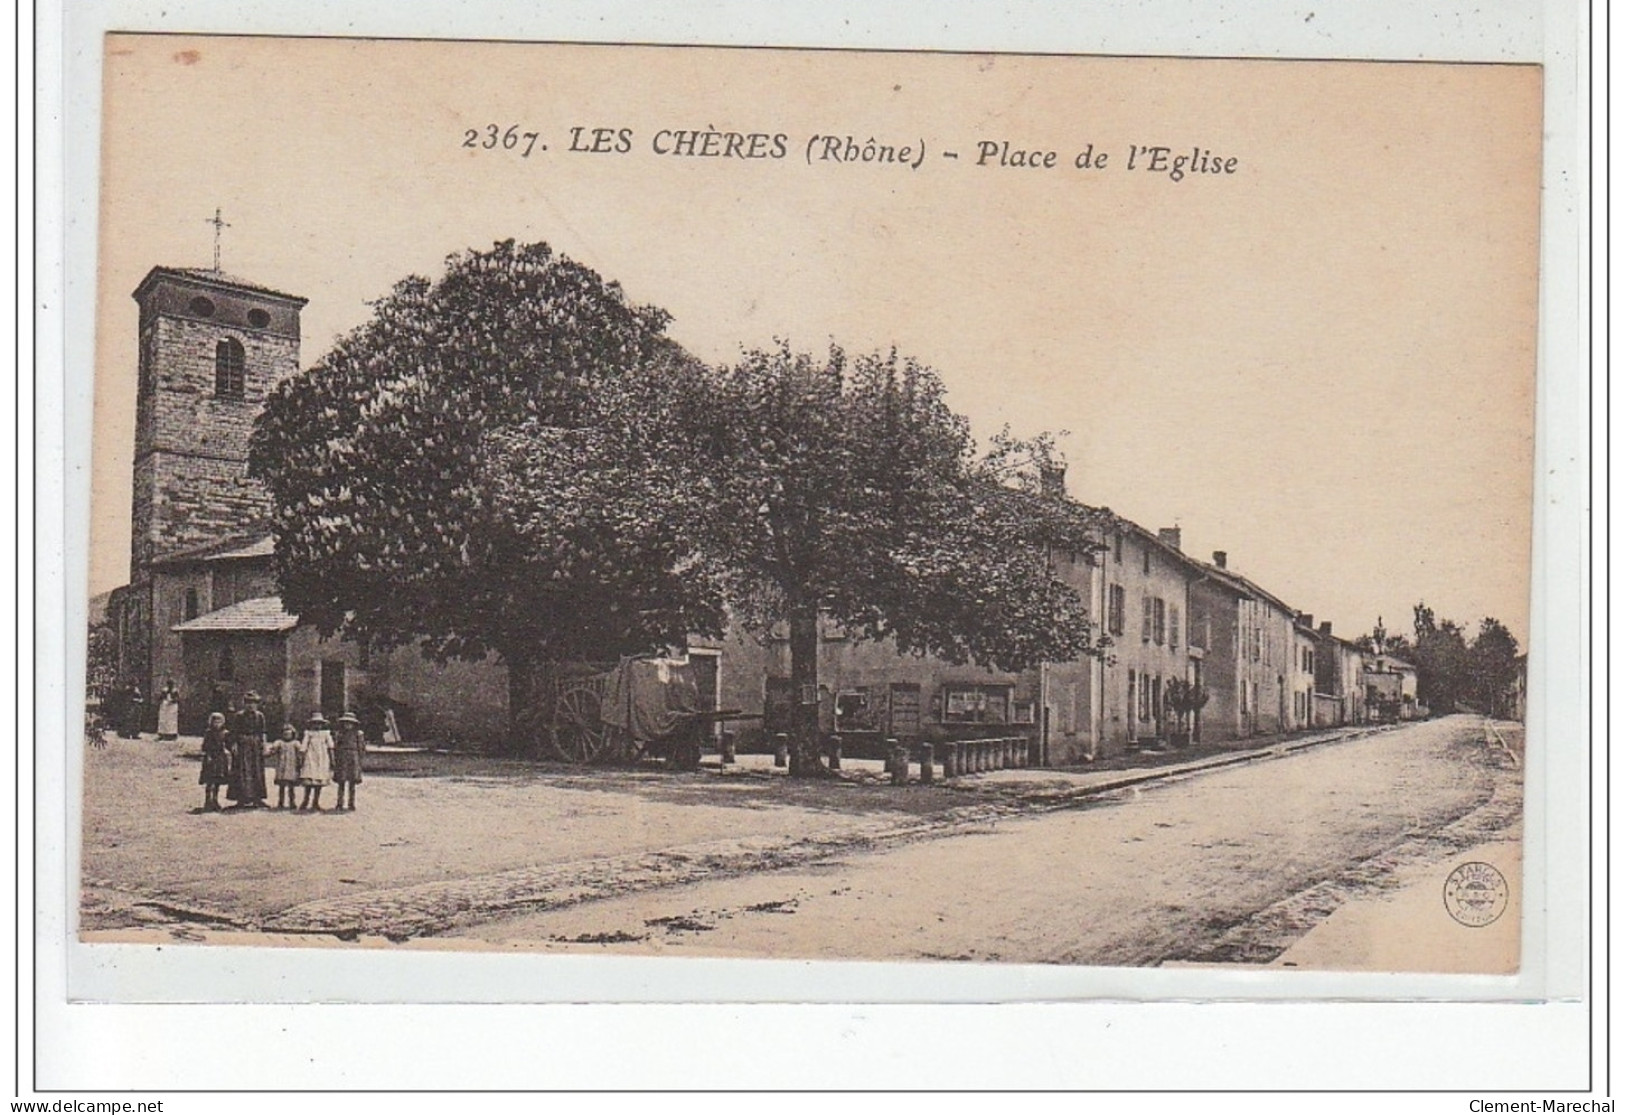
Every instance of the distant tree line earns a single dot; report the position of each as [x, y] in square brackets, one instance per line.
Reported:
[1452, 670]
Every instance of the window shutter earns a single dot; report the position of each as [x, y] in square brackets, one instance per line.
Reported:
[1173, 626]
[1145, 619]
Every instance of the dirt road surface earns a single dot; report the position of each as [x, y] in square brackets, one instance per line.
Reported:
[1236, 864]
[1229, 866]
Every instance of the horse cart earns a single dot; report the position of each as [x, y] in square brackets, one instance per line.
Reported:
[585, 712]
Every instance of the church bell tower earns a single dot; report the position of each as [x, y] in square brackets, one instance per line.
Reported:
[211, 349]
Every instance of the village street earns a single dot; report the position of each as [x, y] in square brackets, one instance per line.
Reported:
[1232, 864]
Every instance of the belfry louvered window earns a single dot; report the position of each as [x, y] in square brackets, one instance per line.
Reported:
[228, 369]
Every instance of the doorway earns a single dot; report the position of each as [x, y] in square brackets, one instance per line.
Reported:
[1133, 711]
[332, 702]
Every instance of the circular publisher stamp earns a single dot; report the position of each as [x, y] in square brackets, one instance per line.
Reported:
[1475, 894]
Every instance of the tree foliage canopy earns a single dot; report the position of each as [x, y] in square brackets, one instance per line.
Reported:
[847, 487]
[394, 461]
[516, 459]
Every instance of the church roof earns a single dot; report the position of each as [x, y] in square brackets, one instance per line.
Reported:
[215, 278]
[263, 613]
[233, 549]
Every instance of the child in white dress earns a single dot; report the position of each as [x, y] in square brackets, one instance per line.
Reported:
[316, 762]
[287, 751]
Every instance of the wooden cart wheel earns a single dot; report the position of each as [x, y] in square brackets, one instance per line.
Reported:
[619, 746]
[578, 730]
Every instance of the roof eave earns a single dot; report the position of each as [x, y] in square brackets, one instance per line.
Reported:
[200, 278]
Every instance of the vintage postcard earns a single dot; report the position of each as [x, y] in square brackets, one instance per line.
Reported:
[811, 504]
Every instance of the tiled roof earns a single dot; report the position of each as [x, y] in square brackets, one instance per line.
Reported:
[260, 547]
[243, 546]
[1150, 536]
[263, 613]
[1245, 587]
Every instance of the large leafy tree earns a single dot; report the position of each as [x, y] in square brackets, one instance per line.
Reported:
[1493, 665]
[1439, 653]
[476, 469]
[846, 489]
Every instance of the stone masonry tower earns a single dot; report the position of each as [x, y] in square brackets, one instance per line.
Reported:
[211, 348]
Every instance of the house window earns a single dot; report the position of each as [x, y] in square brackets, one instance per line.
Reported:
[227, 669]
[996, 706]
[1117, 548]
[1145, 559]
[852, 711]
[976, 704]
[1145, 619]
[905, 709]
[190, 607]
[228, 369]
[1244, 698]
[1023, 712]
[1173, 627]
[1159, 621]
[1115, 608]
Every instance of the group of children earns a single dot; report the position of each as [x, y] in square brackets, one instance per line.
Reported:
[309, 761]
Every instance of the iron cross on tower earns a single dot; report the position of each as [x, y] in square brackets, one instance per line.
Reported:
[218, 225]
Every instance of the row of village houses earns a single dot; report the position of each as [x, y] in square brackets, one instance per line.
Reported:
[202, 611]
[1266, 667]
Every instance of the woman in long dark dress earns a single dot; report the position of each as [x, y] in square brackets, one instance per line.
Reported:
[135, 714]
[248, 767]
[216, 761]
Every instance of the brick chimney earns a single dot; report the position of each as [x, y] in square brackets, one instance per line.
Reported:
[1052, 480]
[1219, 558]
[1306, 618]
[1168, 536]
[1326, 627]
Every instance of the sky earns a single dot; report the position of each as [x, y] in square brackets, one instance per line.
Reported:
[1321, 363]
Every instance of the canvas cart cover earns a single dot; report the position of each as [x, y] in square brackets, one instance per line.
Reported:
[648, 697]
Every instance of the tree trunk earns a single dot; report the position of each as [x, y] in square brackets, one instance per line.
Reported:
[522, 711]
[804, 760]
